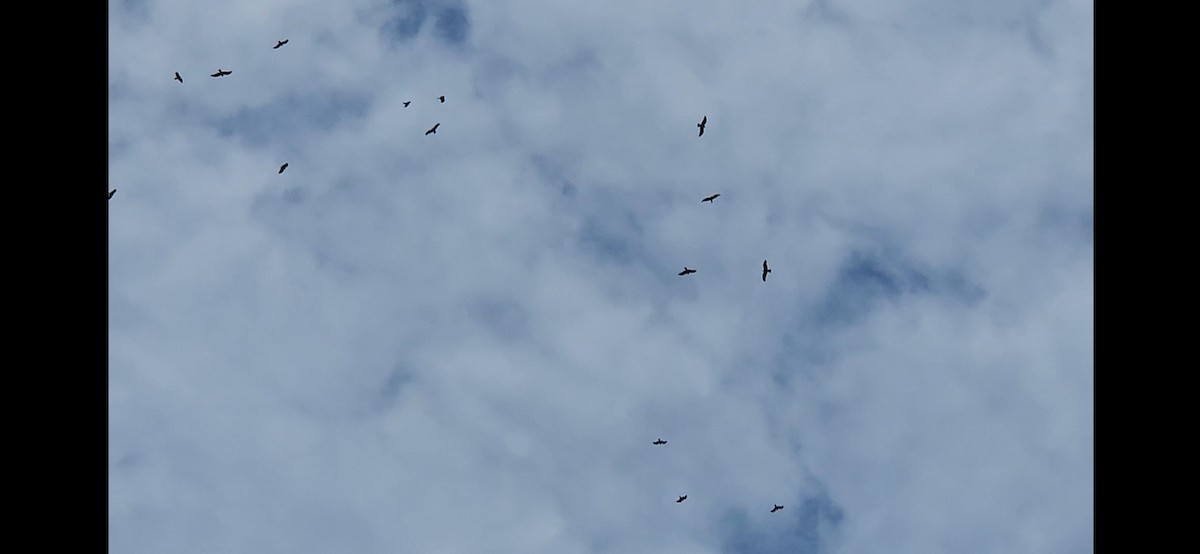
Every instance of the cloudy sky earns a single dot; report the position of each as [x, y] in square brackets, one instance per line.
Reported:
[465, 342]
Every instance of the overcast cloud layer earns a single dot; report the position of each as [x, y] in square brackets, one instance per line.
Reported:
[466, 341]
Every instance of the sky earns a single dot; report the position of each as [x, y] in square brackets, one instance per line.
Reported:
[467, 341]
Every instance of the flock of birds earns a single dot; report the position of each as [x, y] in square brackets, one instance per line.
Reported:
[688, 271]
[659, 442]
[433, 130]
[222, 73]
[710, 199]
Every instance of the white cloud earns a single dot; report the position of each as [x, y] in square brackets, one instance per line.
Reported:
[466, 341]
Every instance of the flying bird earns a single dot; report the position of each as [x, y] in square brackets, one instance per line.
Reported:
[221, 73]
[659, 441]
[442, 98]
[686, 271]
[766, 270]
[701, 125]
[111, 192]
[681, 499]
[279, 43]
[177, 77]
[710, 198]
[407, 103]
[432, 130]
[283, 167]
[776, 508]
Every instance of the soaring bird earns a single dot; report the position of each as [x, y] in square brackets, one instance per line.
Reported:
[681, 499]
[111, 192]
[659, 441]
[686, 271]
[766, 270]
[442, 98]
[407, 103]
[279, 43]
[283, 167]
[433, 130]
[177, 77]
[701, 125]
[221, 73]
[710, 198]
[776, 508]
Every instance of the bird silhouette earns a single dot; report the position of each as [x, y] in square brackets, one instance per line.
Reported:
[283, 167]
[279, 43]
[686, 271]
[681, 499]
[776, 508]
[111, 192]
[442, 98]
[766, 270]
[709, 199]
[221, 73]
[659, 441]
[407, 103]
[177, 77]
[701, 125]
[433, 130]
